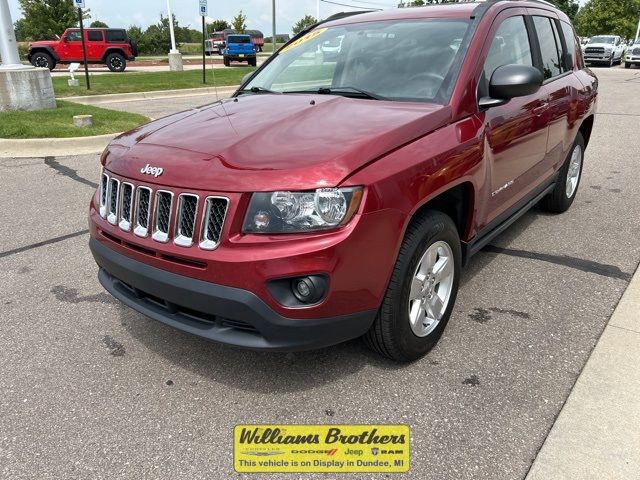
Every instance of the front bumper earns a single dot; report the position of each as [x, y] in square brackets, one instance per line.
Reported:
[217, 312]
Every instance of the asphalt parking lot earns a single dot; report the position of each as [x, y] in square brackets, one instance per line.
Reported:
[91, 389]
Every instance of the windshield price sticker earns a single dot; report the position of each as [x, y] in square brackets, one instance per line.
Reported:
[321, 448]
[305, 38]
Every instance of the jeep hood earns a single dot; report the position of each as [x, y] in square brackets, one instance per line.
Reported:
[270, 142]
[44, 43]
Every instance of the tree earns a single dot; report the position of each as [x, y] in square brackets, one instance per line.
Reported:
[219, 25]
[570, 7]
[239, 22]
[44, 19]
[98, 24]
[615, 17]
[303, 23]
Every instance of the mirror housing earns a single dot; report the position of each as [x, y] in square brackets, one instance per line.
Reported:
[511, 81]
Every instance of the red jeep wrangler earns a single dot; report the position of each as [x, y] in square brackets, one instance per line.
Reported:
[336, 196]
[110, 46]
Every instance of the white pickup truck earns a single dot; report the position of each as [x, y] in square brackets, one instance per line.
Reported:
[633, 55]
[607, 49]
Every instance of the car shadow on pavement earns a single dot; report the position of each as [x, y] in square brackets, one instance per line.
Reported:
[264, 372]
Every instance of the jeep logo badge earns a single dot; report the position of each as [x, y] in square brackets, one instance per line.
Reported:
[149, 170]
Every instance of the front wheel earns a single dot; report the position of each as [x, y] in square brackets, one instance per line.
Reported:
[422, 290]
[43, 60]
[116, 62]
[566, 189]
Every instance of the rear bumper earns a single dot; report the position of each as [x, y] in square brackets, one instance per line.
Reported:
[217, 312]
[238, 58]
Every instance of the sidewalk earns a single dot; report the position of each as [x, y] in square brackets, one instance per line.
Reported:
[597, 434]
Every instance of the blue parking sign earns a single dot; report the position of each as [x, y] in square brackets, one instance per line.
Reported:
[79, 3]
[203, 8]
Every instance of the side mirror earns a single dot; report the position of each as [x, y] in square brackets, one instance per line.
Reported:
[65, 39]
[511, 81]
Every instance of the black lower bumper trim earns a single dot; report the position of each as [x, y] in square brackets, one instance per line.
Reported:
[224, 314]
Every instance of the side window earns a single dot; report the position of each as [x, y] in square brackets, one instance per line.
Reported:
[74, 36]
[572, 46]
[510, 45]
[94, 36]
[116, 36]
[549, 41]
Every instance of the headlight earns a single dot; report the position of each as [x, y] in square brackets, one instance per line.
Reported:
[291, 212]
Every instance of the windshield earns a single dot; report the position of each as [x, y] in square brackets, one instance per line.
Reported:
[238, 39]
[609, 40]
[392, 60]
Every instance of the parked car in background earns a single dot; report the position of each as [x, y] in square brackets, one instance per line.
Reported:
[218, 40]
[633, 55]
[110, 46]
[605, 49]
[239, 49]
[328, 202]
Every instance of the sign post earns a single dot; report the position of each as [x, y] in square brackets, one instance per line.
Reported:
[80, 5]
[203, 13]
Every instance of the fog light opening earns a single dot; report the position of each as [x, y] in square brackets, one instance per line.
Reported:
[307, 290]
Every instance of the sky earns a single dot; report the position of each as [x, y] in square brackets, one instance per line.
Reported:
[123, 13]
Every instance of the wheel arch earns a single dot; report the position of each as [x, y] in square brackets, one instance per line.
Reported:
[586, 128]
[47, 50]
[109, 51]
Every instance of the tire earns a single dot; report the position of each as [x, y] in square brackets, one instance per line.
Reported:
[43, 60]
[392, 334]
[561, 198]
[116, 62]
[226, 61]
[627, 65]
[253, 62]
[611, 62]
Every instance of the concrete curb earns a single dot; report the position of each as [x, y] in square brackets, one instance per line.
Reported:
[596, 434]
[137, 96]
[40, 147]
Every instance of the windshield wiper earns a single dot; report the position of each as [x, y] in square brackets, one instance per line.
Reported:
[258, 90]
[345, 90]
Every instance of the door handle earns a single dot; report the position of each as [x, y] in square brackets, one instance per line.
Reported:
[539, 111]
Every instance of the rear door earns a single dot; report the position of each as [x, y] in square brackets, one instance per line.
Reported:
[95, 45]
[516, 133]
[560, 85]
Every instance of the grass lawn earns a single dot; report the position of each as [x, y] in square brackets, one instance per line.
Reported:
[58, 123]
[147, 82]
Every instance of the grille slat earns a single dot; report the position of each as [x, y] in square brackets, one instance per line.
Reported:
[143, 206]
[112, 208]
[124, 205]
[162, 216]
[185, 227]
[213, 221]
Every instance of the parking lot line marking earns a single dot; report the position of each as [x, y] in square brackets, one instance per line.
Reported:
[43, 243]
[588, 266]
[68, 172]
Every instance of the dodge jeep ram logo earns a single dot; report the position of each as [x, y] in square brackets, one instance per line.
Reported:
[149, 170]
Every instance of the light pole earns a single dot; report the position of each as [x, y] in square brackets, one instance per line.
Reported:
[273, 25]
[638, 31]
[175, 57]
[318, 11]
[22, 87]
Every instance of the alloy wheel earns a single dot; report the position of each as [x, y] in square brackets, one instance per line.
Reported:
[573, 173]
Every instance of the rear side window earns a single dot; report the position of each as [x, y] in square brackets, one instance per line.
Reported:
[510, 46]
[116, 36]
[570, 41]
[550, 47]
[94, 36]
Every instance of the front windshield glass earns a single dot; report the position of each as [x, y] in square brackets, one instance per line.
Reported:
[609, 40]
[391, 60]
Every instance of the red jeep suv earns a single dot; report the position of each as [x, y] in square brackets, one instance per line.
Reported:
[110, 46]
[337, 196]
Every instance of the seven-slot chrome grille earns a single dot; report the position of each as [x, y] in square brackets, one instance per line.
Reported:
[146, 211]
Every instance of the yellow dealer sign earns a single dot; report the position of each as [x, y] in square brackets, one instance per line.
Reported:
[321, 448]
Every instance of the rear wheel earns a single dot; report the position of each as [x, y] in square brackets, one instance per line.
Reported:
[564, 193]
[227, 62]
[253, 62]
[43, 60]
[116, 62]
[421, 292]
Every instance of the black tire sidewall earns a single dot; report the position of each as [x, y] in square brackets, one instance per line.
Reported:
[50, 63]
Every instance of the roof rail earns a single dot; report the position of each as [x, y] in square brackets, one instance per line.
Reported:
[544, 2]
